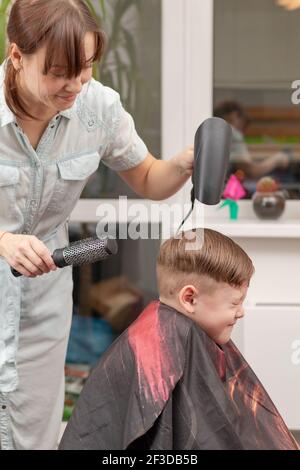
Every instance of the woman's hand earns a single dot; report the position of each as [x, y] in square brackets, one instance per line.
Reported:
[184, 161]
[27, 254]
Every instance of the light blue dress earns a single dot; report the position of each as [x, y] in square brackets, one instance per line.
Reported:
[38, 190]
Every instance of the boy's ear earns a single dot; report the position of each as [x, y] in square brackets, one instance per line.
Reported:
[188, 298]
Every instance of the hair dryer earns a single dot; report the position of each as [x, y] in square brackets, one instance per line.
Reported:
[212, 151]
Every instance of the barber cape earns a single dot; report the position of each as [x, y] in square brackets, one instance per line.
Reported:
[165, 385]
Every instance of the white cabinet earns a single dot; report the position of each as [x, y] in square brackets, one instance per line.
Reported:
[269, 338]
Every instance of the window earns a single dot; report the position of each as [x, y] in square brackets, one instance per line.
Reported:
[255, 64]
[132, 67]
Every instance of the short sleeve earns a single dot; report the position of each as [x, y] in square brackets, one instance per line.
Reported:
[125, 149]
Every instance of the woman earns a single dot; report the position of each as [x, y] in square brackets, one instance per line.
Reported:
[57, 123]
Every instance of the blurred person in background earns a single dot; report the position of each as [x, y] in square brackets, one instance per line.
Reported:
[234, 113]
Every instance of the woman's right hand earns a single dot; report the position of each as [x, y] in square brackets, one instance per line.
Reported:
[27, 254]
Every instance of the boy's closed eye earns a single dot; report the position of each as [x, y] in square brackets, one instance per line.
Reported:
[238, 301]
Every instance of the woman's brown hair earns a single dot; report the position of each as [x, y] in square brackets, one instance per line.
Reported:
[61, 25]
[217, 257]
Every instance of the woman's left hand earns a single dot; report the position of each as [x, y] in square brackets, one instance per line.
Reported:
[184, 161]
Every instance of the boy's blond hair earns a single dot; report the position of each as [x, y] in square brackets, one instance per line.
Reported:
[218, 258]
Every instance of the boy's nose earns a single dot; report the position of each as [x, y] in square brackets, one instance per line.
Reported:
[240, 313]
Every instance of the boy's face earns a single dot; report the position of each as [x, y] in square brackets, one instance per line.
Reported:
[217, 311]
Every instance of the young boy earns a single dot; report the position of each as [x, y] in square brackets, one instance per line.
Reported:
[173, 379]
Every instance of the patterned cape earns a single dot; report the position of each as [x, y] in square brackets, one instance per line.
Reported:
[165, 385]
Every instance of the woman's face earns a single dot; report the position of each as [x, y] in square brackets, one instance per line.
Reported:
[54, 91]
